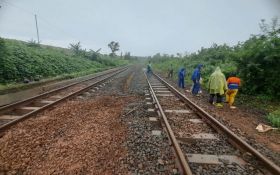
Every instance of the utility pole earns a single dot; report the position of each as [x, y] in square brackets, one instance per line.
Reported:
[37, 29]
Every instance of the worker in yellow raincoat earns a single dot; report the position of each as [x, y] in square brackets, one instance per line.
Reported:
[217, 86]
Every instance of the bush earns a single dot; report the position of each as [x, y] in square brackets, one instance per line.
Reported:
[256, 61]
[33, 43]
[3, 52]
[21, 60]
[209, 57]
[259, 65]
[274, 118]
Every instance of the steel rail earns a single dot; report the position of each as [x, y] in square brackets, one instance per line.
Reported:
[9, 124]
[29, 100]
[179, 153]
[239, 143]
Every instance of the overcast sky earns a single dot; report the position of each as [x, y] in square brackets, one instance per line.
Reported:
[143, 27]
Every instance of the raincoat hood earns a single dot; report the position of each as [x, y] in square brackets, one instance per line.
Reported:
[182, 72]
[199, 66]
[217, 71]
[196, 73]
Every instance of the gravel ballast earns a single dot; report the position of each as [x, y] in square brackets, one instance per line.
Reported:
[74, 138]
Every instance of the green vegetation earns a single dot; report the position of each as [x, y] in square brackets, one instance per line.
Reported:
[20, 60]
[274, 118]
[256, 61]
[209, 57]
[15, 86]
[259, 62]
[260, 103]
[114, 46]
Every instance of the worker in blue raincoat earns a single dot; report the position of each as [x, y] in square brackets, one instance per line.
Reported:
[149, 69]
[196, 79]
[181, 77]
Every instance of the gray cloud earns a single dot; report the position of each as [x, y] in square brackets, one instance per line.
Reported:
[142, 27]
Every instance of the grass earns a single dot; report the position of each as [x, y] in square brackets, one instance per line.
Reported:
[260, 102]
[13, 87]
[19, 60]
[274, 118]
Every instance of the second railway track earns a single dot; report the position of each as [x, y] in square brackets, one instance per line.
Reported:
[202, 144]
[14, 113]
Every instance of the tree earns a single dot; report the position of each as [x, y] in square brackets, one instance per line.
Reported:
[114, 46]
[127, 56]
[76, 48]
[93, 55]
[259, 61]
[179, 55]
[33, 43]
[3, 52]
[2, 48]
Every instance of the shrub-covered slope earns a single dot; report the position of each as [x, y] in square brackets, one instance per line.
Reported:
[19, 60]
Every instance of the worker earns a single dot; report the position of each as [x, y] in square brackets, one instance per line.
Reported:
[233, 83]
[149, 69]
[181, 77]
[196, 79]
[170, 71]
[217, 86]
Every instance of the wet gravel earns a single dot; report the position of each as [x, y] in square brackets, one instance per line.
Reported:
[76, 137]
[77, 87]
[184, 129]
[229, 169]
[243, 123]
[108, 131]
[81, 136]
[216, 147]
[147, 153]
[61, 93]
[171, 103]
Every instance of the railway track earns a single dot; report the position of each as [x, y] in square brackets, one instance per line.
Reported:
[202, 144]
[16, 112]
